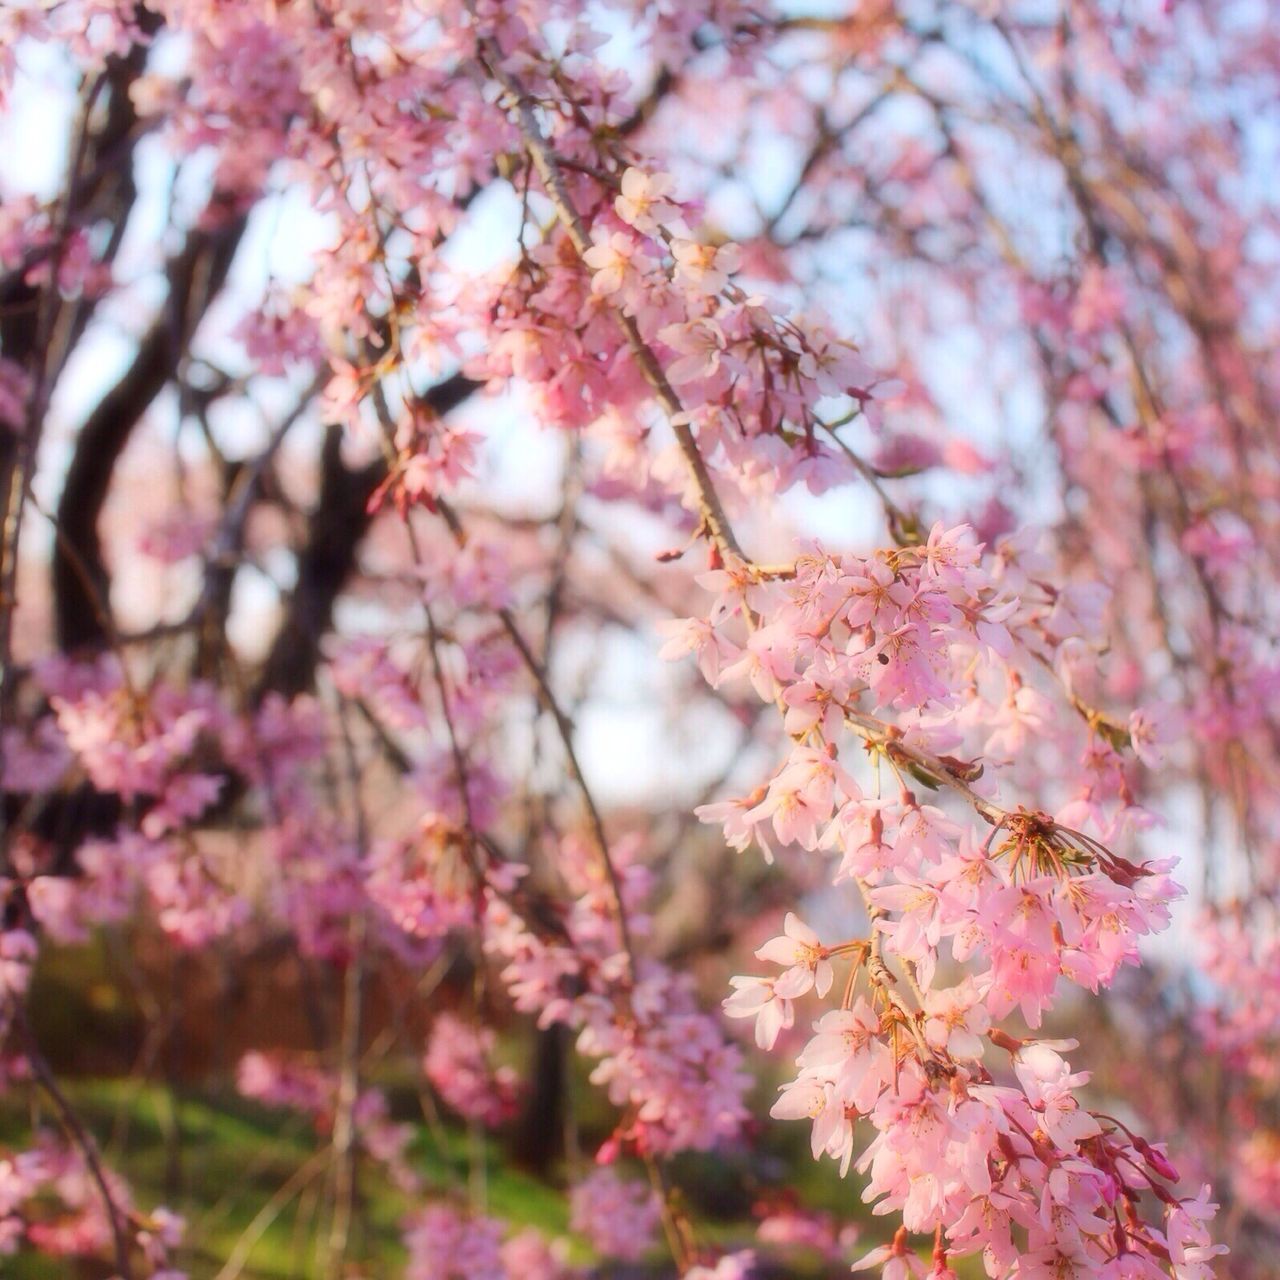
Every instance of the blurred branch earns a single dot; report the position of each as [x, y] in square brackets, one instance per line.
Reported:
[334, 530]
[195, 277]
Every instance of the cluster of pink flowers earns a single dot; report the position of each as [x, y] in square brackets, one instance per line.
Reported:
[932, 635]
[133, 744]
[458, 1065]
[662, 1059]
[446, 1244]
[747, 378]
[952, 758]
[787, 1226]
[49, 1202]
[619, 1216]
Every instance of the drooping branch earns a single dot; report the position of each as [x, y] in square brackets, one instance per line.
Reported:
[713, 515]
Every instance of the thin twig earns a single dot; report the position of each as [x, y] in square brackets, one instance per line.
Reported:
[82, 1138]
[270, 1211]
[717, 523]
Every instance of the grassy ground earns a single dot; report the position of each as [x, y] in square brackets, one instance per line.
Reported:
[220, 1161]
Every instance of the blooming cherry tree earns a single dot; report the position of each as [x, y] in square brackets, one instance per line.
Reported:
[939, 464]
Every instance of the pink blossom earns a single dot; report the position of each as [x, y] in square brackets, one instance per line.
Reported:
[619, 1217]
[956, 1020]
[619, 261]
[457, 1065]
[798, 948]
[444, 1244]
[760, 998]
[644, 202]
[705, 268]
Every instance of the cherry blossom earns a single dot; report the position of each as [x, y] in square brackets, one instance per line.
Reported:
[958, 733]
[618, 1215]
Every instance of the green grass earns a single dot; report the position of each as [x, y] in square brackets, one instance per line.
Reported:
[234, 1157]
